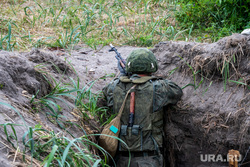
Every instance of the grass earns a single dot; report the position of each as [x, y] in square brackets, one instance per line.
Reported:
[194, 76]
[59, 23]
[227, 66]
[53, 149]
[49, 148]
[84, 98]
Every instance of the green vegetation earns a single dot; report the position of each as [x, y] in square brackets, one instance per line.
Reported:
[50, 149]
[218, 18]
[59, 23]
[1, 86]
[45, 146]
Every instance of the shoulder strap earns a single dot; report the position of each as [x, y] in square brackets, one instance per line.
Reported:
[124, 79]
[143, 79]
[123, 104]
[140, 80]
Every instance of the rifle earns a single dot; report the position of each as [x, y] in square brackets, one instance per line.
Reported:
[119, 58]
[132, 94]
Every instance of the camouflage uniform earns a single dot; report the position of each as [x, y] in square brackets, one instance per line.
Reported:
[145, 138]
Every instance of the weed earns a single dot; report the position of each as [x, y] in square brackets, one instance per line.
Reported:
[2, 86]
[194, 73]
[68, 39]
[7, 40]
[94, 43]
[221, 18]
[172, 71]
[53, 149]
[11, 136]
[33, 18]
[49, 101]
[18, 113]
[58, 91]
[208, 87]
[227, 68]
[240, 82]
[141, 23]
[41, 42]
[56, 149]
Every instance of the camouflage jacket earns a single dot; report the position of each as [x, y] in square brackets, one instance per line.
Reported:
[151, 95]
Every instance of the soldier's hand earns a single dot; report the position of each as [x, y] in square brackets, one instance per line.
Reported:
[121, 69]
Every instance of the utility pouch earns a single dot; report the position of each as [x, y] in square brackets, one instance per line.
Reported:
[132, 136]
[135, 130]
[123, 130]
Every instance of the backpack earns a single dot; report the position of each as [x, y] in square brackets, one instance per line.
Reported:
[146, 133]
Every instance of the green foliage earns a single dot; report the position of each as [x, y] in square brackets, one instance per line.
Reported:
[54, 23]
[88, 101]
[240, 82]
[220, 17]
[11, 136]
[228, 65]
[67, 39]
[94, 42]
[6, 42]
[50, 148]
[2, 86]
[194, 74]
[58, 91]
[217, 34]
[64, 151]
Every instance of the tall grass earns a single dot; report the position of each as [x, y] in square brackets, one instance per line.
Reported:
[227, 65]
[94, 22]
[194, 76]
[54, 149]
[59, 149]
[6, 41]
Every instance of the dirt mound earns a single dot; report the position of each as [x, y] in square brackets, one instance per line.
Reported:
[212, 117]
[19, 80]
[26, 77]
[214, 114]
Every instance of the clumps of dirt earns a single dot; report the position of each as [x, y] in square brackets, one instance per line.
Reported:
[29, 73]
[210, 60]
[17, 75]
[54, 62]
[23, 75]
[213, 116]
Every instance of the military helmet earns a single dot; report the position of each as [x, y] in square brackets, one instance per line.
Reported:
[141, 61]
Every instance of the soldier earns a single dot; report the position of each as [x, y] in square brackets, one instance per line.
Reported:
[142, 118]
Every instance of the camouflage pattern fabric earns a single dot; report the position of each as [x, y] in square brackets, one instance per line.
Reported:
[141, 60]
[150, 98]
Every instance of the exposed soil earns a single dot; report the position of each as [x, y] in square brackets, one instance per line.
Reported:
[212, 117]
